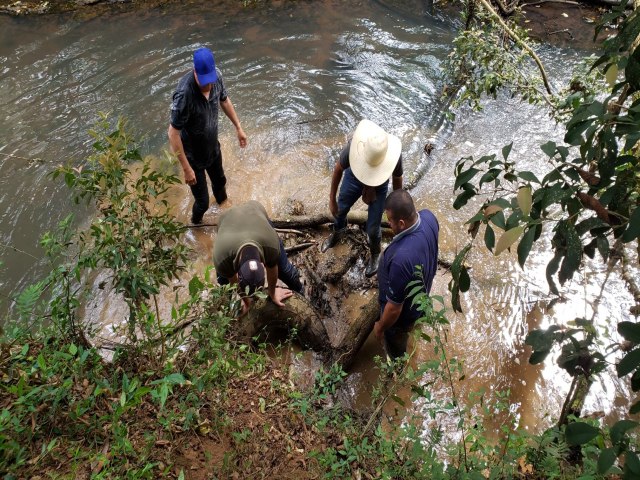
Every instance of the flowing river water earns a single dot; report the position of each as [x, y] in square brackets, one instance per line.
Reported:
[301, 76]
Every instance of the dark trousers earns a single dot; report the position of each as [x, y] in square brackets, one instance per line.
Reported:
[200, 190]
[350, 192]
[396, 337]
[287, 272]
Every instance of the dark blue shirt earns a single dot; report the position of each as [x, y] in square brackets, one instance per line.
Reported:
[197, 119]
[416, 246]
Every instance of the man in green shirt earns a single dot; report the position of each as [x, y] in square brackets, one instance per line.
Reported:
[246, 246]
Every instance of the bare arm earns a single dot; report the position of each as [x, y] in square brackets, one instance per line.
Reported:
[175, 143]
[397, 183]
[335, 181]
[276, 294]
[230, 112]
[388, 318]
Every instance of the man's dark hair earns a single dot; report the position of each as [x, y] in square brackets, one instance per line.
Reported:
[401, 206]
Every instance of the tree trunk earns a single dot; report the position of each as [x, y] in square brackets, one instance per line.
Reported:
[344, 353]
[296, 316]
[300, 317]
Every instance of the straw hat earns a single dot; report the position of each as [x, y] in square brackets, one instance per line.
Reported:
[374, 153]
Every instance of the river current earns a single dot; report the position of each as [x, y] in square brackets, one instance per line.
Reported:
[301, 76]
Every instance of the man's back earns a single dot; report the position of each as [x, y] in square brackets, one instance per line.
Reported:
[245, 224]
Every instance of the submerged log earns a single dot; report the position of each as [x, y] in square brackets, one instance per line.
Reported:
[298, 316]
[357, 217]
[344, 353]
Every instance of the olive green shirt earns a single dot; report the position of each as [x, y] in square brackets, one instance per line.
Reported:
[246, 224]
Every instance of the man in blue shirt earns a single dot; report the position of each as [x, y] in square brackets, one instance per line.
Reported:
[193, 131]
[415, 244]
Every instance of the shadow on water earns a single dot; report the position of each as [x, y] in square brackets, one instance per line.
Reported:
[301, 76]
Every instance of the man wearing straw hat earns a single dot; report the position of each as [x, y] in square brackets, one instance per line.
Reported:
[193, 130]
[365, 165]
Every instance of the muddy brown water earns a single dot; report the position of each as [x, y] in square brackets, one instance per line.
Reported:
[301, 76]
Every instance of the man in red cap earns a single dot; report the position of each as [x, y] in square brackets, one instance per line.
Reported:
[193, 131]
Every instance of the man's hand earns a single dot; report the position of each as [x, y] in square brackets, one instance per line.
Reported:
[189, 176]
[333, 206]
[378, 331]
[242, 137]
[246, 303]
[279, 295]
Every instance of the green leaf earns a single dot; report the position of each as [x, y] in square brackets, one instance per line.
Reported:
[529, 177]
[549, 148]
[464, 280]
[611, 75]
[195, 286]
[629, 363]
[632, 70]
[524, 247]
[579, 433]
[506, 150]
[524, 199]
[464, 177]
[633, 230]
[603, 247]
[489, 237]
[635, 408]
[507, 239]
[73, 349]
[462, 199]
[538, 356]
[573, 255]
[620, 428]
[630, 331]
[632, 463]
[606, 459]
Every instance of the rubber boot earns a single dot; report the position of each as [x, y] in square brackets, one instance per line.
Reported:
[372, 266]
[332, 240]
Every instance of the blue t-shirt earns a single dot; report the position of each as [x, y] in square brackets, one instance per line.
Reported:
[416, 246]
[197, 119]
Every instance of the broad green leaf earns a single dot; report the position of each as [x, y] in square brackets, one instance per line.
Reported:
[630, 331]
[632, 462]
[464, 280]
[507, 239]
[489, 237]
[549, 148]
[629, 363]
[632, 70]
[633, 230]
[606, 459]
[573, 255]
[635, 408]
[529, 177]
[525, 199]
[579, 433]
[612, 75]
[538, 356]
[464, 177]
[524, 247]
[506, 150]
[620, 428]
